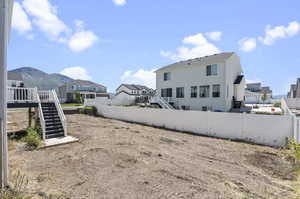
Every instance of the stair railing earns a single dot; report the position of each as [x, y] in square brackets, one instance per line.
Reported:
[161, 101]
[41, 115]
[60, 111]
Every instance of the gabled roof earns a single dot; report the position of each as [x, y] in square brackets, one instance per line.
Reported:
[87, 83]
[216, 58]
[14, 76]
[135, 87]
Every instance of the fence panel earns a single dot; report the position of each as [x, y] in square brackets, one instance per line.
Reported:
[260, 129]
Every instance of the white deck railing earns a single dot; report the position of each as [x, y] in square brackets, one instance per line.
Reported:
[42, 119]
[21, 95]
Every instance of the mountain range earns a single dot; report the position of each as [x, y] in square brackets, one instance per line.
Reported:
[43, 81]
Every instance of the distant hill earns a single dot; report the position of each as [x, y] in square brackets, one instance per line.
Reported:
[43, 81]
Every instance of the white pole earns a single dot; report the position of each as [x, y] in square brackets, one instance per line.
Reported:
[5, 23]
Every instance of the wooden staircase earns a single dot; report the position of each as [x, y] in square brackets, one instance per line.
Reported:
[53, 124]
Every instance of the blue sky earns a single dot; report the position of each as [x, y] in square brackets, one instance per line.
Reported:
[115, 41]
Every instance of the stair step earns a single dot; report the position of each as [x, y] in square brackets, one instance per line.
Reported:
[50, 114]
[52, 120]
[49, 132]
[55, 135]
[54, 127]
[53, 123]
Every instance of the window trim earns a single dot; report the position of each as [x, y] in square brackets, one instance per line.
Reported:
[205, 86]
[167, 76]
[219, 91]
[210, 72]
[177, 92]
[194, 93]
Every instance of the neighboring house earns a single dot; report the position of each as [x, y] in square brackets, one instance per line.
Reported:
[133, 89]
[255, 94]
[86, 89]
[295, 90]
[133, 93]
[213, 82]
[14, 80]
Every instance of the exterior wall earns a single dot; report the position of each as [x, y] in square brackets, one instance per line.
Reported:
[184, 75]
[193, 75]
[233, 69]
[260, 129]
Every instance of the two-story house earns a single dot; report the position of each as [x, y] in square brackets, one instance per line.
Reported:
[86, 89]
[213, 82]
[294, 90]
[140, 93]
[257, 94]
[134, 89]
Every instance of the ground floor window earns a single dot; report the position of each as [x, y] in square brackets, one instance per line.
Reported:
[216, 90]
[180, 92]
[204, 91]
[193, 91]
[166, 92]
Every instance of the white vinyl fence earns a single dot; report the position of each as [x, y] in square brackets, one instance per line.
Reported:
[261, 129]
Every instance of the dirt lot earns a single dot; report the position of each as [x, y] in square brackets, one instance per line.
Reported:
[118, 160]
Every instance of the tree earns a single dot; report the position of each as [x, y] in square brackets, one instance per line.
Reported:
[78, 97]
[264, 97]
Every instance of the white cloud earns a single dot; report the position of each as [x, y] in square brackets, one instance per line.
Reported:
[76, 72]
[247, 44]
[46, 19]
[200, 47]
[143, 77]
[215, 36]
[119, 2]
[20, 20]
[82, 40]
[279, 32]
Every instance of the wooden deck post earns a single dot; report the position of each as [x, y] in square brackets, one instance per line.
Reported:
[29, 117]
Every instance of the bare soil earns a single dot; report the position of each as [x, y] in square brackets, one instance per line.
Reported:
[119, 160]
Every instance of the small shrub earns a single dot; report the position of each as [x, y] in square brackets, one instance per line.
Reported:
[94, 111]
[33, 138]
[294, 146]
[89, 110]
[277, 104]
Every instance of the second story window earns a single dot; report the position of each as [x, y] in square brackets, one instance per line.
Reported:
[204, 91]
[180, 92]
[193, 91]
[216, 91]
[167, 76]
[212, 70]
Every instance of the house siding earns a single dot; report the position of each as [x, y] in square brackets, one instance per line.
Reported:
[194, 74]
